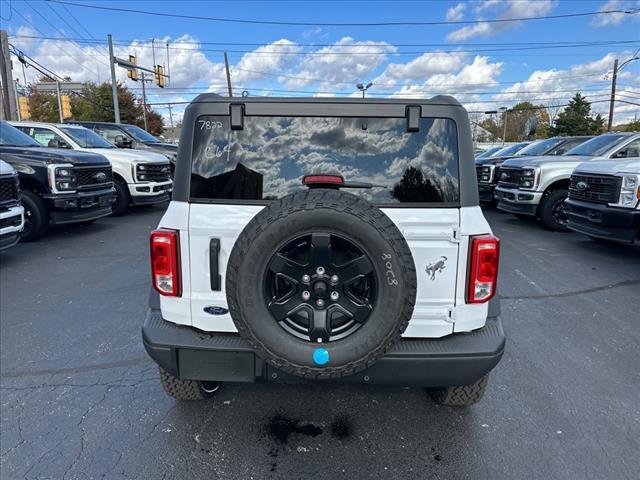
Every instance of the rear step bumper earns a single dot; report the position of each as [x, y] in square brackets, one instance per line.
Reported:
[458, 359]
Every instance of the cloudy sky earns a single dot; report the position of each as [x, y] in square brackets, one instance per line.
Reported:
[474, 51]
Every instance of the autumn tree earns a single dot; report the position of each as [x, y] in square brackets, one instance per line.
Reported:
[519, 116]
[577, 119]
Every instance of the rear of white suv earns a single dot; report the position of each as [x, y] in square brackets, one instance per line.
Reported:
[326, 240]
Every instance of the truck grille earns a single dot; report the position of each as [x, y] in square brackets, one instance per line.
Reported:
[510, 177]
[8, 190]
[93, 177]
[158, 172]
[594, 188]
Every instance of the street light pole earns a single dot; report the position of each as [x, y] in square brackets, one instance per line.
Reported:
[144, 102]
[114, 86]
[363, 88]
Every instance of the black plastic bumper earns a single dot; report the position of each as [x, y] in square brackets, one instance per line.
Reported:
[506, 203]
[9, 240]
[485, 193]
[80, 206]
[458, 359]
[150, 199]
[603, 221]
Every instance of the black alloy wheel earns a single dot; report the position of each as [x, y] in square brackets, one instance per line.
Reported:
[320, 287]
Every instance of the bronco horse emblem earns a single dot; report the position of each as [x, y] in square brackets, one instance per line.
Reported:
[436, 267]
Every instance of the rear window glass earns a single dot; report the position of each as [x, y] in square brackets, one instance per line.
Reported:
[268, 158]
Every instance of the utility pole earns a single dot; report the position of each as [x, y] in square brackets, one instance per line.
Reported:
[504, 133]
[59, 102]
[226, 66]
[613, 94]
[144, 102]
[114, 85]
[170, 117]
[9, 109]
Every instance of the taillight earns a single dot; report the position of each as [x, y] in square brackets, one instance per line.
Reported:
[483, 268]
[323, 180]
[165, 262]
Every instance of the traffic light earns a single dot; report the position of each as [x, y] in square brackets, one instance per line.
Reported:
[23, 105]
[66, 106]
[133, 72]
[160, 76]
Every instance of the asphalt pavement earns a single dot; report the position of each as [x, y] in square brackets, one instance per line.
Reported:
[80, 398]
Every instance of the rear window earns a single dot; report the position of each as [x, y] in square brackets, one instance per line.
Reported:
[267, 159]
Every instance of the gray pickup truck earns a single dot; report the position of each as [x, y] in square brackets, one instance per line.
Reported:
[538, 186]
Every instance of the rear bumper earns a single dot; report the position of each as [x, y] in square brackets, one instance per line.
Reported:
[517, 201]
[603, 221]
[458, 359]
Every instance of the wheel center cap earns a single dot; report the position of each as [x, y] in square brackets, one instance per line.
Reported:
[320, 289]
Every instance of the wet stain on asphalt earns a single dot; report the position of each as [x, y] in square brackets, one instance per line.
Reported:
[281, 428]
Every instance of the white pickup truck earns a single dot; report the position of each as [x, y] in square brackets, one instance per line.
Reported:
[604, 200]
[139, 177]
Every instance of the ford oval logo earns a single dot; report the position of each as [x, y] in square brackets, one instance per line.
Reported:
[214, 310]
[100, 177]
[582, 186]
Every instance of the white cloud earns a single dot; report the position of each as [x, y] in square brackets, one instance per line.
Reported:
[456, 13]
[608, 19]
[420, 68]
[504, 10]
[480, 29]
[265, 60]
[346, 60]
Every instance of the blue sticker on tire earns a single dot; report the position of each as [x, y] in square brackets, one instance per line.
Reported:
[320, 356]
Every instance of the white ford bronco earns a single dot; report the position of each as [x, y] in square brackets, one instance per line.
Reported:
[325, 240]
[139, 177]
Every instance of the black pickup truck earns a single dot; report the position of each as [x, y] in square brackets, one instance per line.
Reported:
[57, 186]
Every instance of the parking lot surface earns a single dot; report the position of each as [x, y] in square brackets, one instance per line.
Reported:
[81, 399]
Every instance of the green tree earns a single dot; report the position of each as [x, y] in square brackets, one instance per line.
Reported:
[519, 116]
[43, 106]
[577, 119]
[95, 102]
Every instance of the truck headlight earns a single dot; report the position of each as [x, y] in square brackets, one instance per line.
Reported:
[629, 190]
[529, 178]
[62, 178]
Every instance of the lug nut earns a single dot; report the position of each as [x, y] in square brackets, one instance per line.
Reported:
[306, 296]
[320, 270]
[320, 303]
[334, 279]
[335, 296]
[306, 278]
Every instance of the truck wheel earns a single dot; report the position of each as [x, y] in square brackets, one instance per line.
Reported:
[187, 389]
[36, 216]
[321, 283]
[123, 199]
[553, 213]
[460, 396]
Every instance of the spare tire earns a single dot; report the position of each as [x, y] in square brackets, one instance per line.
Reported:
[321, 283]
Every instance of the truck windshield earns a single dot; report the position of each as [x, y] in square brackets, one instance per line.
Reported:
[139, 134]
[11, 136]
[597, 145]
[510, 150]
[540, 147]
[489, 153]
[86, 138]
[269, 157]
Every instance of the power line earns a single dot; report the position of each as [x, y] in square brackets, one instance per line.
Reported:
[344, 24]
[127, 42]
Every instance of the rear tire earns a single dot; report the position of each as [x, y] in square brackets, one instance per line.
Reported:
[552, 213]
[460, 396]
[36, 216]
[123, 199]
[187, 389]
